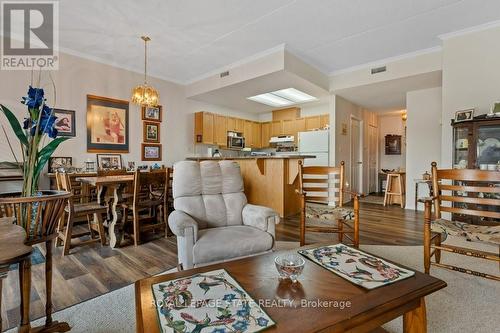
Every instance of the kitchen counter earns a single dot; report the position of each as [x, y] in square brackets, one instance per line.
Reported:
[269, 181]
[202, 158]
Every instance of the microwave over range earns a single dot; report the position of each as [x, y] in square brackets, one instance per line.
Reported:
[235, 140]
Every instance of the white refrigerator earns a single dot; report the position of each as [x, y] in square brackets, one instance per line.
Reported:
[315, 143]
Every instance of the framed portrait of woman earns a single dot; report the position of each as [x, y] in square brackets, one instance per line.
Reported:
[107, 124]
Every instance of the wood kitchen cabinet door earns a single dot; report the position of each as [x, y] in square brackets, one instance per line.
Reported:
[204, 127]
[239, 125]
[220, 130]
[256, 134]
[300, 126]
[312, 123]
[265, 134]
[324, 120]
[248, 133]
[231, 124]
[276, 128]
[288, 126]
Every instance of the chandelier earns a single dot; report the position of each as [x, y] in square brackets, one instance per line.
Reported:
[143, 94]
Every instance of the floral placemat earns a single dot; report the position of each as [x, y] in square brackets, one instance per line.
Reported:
[356, 266]
[210, 302]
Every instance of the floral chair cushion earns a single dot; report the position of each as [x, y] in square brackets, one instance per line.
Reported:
[473, 233]
[325, 212]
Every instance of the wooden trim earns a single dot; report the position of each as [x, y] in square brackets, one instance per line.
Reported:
[481, 201]
[467, 271]
[471, 212]
[468, 174]
[485, 189]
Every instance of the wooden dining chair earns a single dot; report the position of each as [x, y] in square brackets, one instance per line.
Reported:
[149, 209]
[319, 188]
[74, 210]
[463, 193]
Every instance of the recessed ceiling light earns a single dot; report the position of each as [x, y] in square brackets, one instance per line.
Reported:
[271, 100]
[283, 97]
[294, 95]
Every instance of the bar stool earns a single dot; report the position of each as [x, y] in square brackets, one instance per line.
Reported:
[13, 251]
[395, 189]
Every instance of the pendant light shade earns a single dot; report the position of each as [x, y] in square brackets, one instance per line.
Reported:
[144, 94]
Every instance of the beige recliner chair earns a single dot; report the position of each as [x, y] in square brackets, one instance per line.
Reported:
[212, 220]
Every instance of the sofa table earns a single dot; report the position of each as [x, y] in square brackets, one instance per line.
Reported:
[258, 276]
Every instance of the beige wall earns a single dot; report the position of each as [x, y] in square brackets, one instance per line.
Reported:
[78, 77]
[471, 79]
[423, 135]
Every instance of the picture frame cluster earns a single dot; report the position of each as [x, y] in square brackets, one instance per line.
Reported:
[151, 146]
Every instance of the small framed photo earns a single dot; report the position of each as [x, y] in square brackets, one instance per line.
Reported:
[464, 115]
[57, 163]
[151, 152]
[109, 161]
[65, 122]
[152, 113]
[393, 144]
[151, 132]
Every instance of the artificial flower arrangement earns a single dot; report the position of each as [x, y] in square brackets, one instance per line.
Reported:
[32, 135]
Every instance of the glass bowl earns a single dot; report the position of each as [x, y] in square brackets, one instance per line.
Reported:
[289, 266]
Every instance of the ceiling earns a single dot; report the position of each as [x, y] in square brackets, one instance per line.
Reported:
[235, 96]
[389, 95]
[191, 38]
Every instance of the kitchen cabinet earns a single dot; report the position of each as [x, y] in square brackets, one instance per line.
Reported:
[248, 133]
[288, 126]
[256, 135]
[204, 127]
[231, 124]
[240, 124]
[313, 122]
[220, 130]
[276, 127]
[265, 134]
[324, 120]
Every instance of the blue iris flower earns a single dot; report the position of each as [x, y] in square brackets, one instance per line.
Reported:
[243, 312]
[34, 99]
[240, 325]
[261, 321]
[229, 297]
[47, 123]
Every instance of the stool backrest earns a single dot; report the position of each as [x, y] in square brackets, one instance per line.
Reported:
[150, 185]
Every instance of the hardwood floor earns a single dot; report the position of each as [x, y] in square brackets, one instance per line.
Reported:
[93, 270]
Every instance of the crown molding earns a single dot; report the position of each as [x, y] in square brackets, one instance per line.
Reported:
[386, 61]
[477, 28]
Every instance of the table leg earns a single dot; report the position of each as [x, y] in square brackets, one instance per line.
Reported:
[415, 321]
[25, 287]
[115, 229]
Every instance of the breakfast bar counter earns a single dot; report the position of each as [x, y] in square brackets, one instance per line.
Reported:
[269, 181]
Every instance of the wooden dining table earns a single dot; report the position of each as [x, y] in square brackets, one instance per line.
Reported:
[110, 193]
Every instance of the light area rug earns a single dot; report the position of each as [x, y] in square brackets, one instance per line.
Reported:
[467, 304]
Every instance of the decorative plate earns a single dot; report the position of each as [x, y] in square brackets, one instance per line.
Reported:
[356, 266]
[210, 302]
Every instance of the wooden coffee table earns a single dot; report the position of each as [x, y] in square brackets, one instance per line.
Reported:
[368, 310]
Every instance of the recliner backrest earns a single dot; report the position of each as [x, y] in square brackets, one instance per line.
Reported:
[209, 191]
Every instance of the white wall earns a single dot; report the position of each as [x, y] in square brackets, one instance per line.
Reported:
[391, 124]
[423, 135]
[471, 79]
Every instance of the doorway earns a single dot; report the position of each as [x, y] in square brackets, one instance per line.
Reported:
[372, 158]
[356, 155]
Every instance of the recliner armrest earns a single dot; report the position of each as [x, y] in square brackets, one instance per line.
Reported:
[260, 217]
[178, 221]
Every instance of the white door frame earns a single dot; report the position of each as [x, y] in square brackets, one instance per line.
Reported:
[361, 137]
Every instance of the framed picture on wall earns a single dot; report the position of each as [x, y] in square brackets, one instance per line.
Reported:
[107, 124]
[393, 144]
[151, 132]
[56, 163]
[109, 161]
[65, 122]
[152, 113]
[151, 152]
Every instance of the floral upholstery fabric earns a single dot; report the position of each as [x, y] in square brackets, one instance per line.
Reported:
[325, 212]
[474, 233]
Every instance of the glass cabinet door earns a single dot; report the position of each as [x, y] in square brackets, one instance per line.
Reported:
[461, 135]
[488, 147]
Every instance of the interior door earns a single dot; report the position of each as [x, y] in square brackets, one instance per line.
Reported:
[356, 156]
[372, 158]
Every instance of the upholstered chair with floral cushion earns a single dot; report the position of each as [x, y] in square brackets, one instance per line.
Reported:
[212, 220]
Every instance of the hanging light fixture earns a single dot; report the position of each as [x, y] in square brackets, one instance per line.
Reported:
[143, 94]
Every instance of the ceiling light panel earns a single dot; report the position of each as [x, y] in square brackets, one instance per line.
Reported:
[294, 95]
[271, 100]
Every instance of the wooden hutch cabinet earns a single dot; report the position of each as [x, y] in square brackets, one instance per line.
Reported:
[476, 145]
